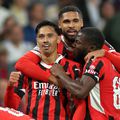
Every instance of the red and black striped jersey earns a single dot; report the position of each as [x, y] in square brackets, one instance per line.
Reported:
[47, 101]
[31, 58]
[105, 96]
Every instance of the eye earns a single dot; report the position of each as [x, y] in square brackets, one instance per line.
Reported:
[76, 20]
[50, 35]
[41, 36]
[66, 21]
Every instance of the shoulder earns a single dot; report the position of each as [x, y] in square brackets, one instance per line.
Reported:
[102, 60]
[70, 62]
[98, 65]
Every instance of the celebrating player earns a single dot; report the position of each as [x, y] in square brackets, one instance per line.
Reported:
[46, 100]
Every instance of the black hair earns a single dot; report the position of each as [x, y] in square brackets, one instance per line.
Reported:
[93, 36]
[69, 8]
[47, 23]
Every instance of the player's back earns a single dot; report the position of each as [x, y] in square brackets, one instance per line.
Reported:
[110, 89]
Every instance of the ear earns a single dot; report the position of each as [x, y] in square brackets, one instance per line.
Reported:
[82, 24]
[37, 41]
[58, 40]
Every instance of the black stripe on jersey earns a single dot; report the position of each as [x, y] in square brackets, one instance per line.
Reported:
[92, 76]
[102, 77]
[57, 107]
[64, 52]
[19, 92]
[29, 95]
[99, 66]
[46, 107]
[20, 86]
[42, 67]
[64, 92]
[66, 66]
[35, 109]
[21, 82]
[88, 64]
[76, 72]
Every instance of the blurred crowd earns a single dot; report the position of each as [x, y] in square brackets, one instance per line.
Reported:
[18, 18]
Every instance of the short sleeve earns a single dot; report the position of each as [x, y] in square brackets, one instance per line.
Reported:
[94, 69]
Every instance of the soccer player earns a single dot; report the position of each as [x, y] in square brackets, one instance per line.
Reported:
[70, 22]
[46, 101]
[11, 114]
[99, 79]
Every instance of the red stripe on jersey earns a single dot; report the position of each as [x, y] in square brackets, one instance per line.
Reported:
[52, 106]
[40, 109]
[61, 47]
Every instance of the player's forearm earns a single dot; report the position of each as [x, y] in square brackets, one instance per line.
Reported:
[11, 99]
[73, 86]
[114, 58]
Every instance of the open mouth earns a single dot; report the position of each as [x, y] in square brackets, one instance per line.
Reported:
[46, 46]
[72, 32]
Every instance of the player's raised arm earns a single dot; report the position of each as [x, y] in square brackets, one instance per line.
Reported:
[15, 90]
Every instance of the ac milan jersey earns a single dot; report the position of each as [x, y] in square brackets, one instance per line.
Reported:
[11, 114]
[47, 101]
[105, 96]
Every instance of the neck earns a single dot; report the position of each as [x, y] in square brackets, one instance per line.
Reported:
[68, 42]
[49, 59]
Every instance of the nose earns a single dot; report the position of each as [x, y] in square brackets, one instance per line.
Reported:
[71, 25]
[45, 39]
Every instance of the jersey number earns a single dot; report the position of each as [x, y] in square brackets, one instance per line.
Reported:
[116, 90]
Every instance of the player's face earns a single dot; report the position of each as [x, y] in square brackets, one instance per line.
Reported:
[81, 46]
[70, 23]
[47, 40]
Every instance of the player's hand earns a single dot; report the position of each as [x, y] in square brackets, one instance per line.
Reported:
[57, 70]
[14, 77]
[94, 54]
[55, 80]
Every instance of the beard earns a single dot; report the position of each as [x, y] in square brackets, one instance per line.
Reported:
[70, 38]
[79, 55]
